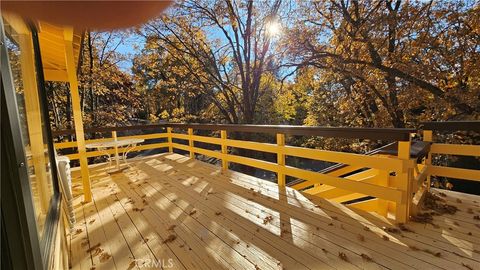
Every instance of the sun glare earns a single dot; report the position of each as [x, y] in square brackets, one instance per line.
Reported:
[274, 28]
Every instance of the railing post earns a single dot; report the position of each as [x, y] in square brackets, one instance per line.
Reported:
[428, 137]
[223, 137]
[190, 143]
[383, 180]
[403, 182]
[117, 159]
[280, 159]
[169, 138]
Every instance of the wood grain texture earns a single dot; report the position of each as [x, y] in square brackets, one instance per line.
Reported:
[203, 217]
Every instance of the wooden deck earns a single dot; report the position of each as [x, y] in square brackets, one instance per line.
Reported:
[170, 212]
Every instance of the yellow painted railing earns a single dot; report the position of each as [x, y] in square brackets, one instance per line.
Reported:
[388, 192]
[451, 149]
[425, 170]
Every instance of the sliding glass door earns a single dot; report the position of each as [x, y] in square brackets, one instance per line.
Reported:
[28, 143]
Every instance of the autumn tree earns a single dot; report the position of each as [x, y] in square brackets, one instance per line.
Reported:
[224, 48]
[415, 60]
[107, 93]
[168, 89]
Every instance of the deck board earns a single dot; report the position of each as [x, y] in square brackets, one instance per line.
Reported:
[233, 221]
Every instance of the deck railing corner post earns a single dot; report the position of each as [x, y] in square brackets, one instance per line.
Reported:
[404, 182]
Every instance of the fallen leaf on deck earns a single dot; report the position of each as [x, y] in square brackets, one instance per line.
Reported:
[170, 238]
[93, 247]
[366, 257]
[343, 256]
[104, 257]
[361, 238]
[267, 219]
[131, 265]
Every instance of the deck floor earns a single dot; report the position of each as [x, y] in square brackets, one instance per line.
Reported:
[170, 212]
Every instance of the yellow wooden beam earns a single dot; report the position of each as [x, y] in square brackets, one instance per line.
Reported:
[182, 136]
[190, 143]
[120, 150]
[458, 173]
[281, 160]
[382, 178]
[387, 193]
[302, 185]
[329, 192]
[382, 163]
[351, 196]
[55, 75]
[16, 22]
[344, 170]
[403, 183]
[77, 112]
[205, 139]
[71, 144]
[223, 137]
[417, 201]
[428, 137]
[34, 119]
[115, 148]
[369, 205]
[169, 139]
[256, 146]
[455, 149]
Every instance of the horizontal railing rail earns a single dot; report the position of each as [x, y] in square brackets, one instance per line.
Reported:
[64, 132]
[387, 134]
[399, 167]
[452, 126]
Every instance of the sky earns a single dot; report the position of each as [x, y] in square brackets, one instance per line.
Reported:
[129, 47]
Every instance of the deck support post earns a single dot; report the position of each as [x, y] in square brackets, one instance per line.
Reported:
[280, 159]
[223, 137]
[77, 112]
[404, 179]
[169, 139]
[34, 119]
[428, 137]
[190, 143]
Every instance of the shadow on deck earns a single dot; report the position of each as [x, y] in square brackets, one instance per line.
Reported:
[171, 212]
